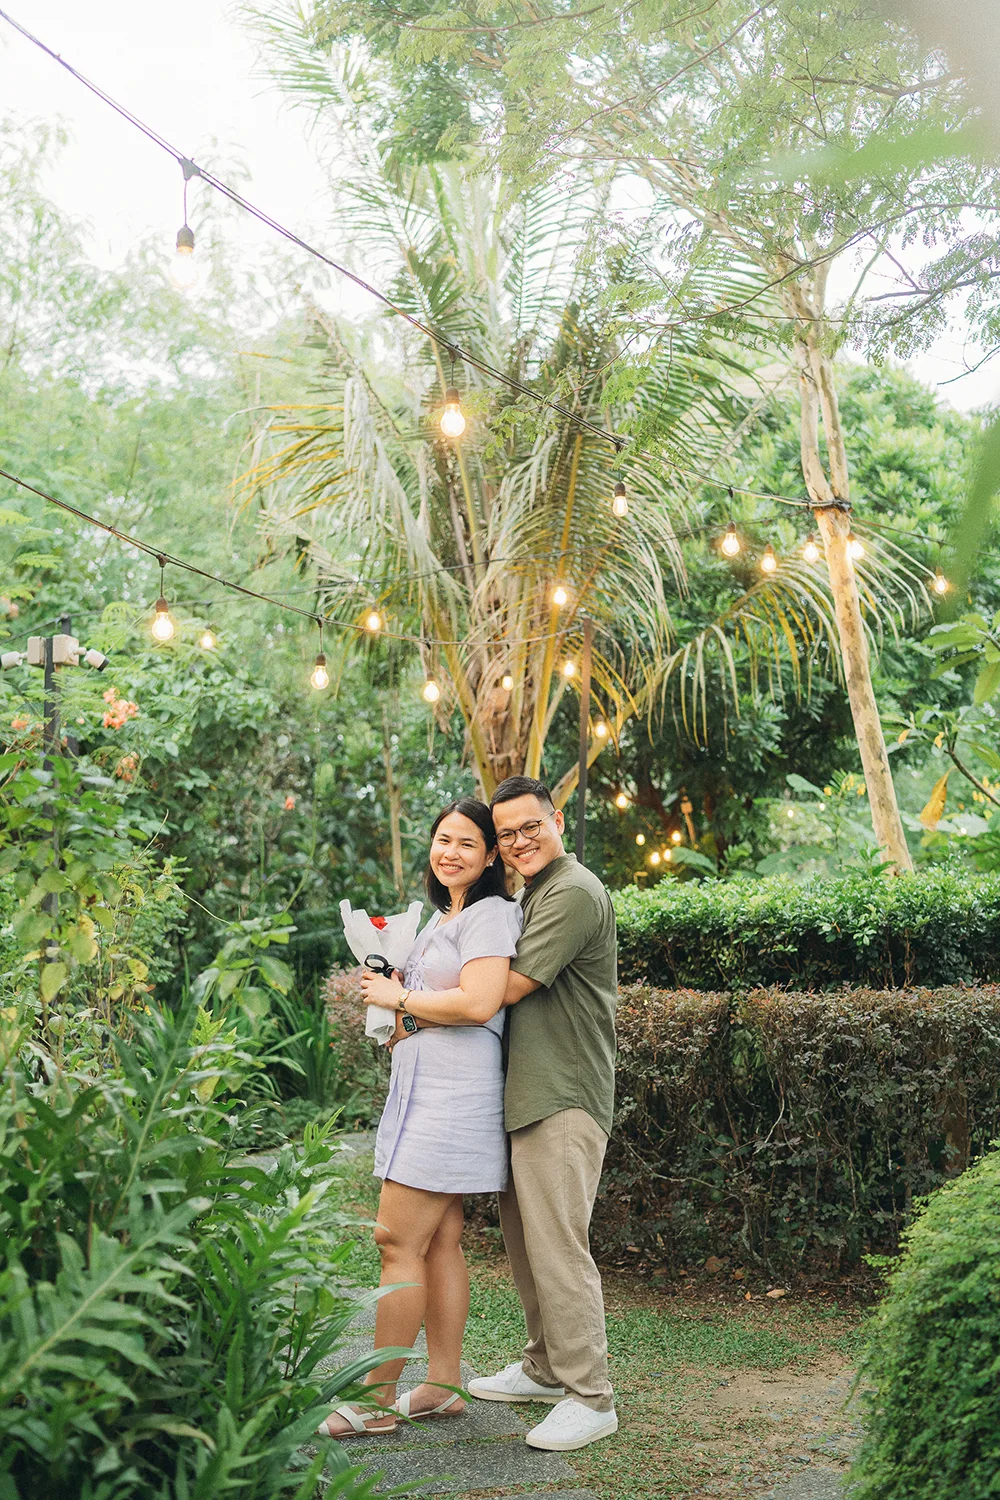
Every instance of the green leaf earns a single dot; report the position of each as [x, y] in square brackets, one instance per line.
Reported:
[276, 973]
[694, 858]
[987, 683]
[800, 784]
[53, 979]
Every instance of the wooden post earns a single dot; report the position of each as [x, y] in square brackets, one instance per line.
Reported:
[581, 785]
[886, 822]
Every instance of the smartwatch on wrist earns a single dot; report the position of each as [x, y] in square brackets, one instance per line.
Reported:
[409, 1024]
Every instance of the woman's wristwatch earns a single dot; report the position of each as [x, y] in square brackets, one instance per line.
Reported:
[403, 997]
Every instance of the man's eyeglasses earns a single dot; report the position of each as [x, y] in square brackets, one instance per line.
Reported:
[527, 831]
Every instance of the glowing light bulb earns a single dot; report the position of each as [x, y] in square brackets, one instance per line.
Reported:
[640, 839]
[320, 677]
[430, 691]
[184, 271]
[452, 418]
[654, 858]
[676, 836]
[619, 504]
[601, 729]
[207, 640]
[621, 801]
[163, 625]
[668, 855]
[731, 542]
[855, 548]
[569, 669]
[507, 682]
[811, 550]
[373, 622]
[560, 595]
[940, 584]
[791, 812]
[768, 562]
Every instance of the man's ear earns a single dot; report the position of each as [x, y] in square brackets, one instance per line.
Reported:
[560, 821]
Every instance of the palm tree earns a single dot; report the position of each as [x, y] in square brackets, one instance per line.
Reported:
[461, 545]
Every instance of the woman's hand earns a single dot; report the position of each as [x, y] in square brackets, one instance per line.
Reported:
[377, 989]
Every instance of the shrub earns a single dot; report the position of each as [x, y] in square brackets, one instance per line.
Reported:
[933, 1426]
[789, 1129]
[166, 1311]
[362, 1064]
[934, 928]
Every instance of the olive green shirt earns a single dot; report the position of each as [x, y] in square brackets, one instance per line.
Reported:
[561, 1038]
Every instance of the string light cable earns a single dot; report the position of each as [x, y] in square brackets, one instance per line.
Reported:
[455, 351]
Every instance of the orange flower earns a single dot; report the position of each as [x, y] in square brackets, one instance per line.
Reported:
[127, 766]
[19, 722]
[289, 802]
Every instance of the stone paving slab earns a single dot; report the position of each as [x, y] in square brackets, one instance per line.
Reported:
[820, 1484]
[451, 1468]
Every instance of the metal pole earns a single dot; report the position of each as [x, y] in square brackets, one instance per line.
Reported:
[581, 786]
[50, 741]
[72, 743]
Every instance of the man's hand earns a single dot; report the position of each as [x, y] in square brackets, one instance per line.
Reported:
[401, 1033]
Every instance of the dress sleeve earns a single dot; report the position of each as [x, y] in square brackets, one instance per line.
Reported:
[489, 929]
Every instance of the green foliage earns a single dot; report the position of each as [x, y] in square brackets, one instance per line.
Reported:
[932, 1429]
[936, 927]
[74, 862]
[165, 1310]
[789, 1129]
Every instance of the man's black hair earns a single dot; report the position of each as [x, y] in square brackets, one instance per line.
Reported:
[521, 786]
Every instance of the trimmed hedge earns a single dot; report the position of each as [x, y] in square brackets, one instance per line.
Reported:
[935, 928]
[792, 1130]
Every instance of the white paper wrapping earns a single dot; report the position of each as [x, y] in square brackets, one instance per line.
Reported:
[395, 941]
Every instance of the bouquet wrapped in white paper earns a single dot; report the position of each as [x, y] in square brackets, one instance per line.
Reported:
[393, 937]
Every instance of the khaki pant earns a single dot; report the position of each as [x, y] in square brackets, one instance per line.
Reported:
[545, 1214]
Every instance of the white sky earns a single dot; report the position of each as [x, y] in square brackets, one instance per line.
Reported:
[189, 69]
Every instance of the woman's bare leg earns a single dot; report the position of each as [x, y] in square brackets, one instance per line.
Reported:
[408, 1219]
[447, 1312]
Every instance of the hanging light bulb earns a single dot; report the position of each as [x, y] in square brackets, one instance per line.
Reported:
[452, 418]
[569, 669]
[676, 836]
[184, 271]
[507, 682]
[373, 622]
[939, 583]
[668, 855]
[601, 729]
[640, 839]
[560, 595]
[654, 858]
[855, 548]
[731, 542]
[619, 504]
[430, 691]
[811, 550]
[621, 801]
[163, 625]
[320, 677]
[768, 562]
[207, 640]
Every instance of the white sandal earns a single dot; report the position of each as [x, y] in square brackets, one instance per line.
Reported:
[358, 1421]
[403, 1407]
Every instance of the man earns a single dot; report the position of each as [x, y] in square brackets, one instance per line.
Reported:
[558, 1104]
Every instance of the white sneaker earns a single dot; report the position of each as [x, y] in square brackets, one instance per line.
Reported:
[513, 1385]
[572, 1425]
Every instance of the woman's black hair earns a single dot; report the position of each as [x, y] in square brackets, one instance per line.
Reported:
[492, 882]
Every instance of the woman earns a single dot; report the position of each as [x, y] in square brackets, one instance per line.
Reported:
[441, 1133]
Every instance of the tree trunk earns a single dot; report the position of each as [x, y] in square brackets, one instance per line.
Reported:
[818, 392]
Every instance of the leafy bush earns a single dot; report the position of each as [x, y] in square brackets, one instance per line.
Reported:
[792, 1130]
[933, 1425]
[360, 1060]
[166, 1311]
[934, 928]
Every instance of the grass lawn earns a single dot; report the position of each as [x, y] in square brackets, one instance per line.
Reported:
[719, 1392]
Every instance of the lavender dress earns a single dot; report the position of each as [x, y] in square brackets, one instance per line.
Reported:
[442, 1126]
